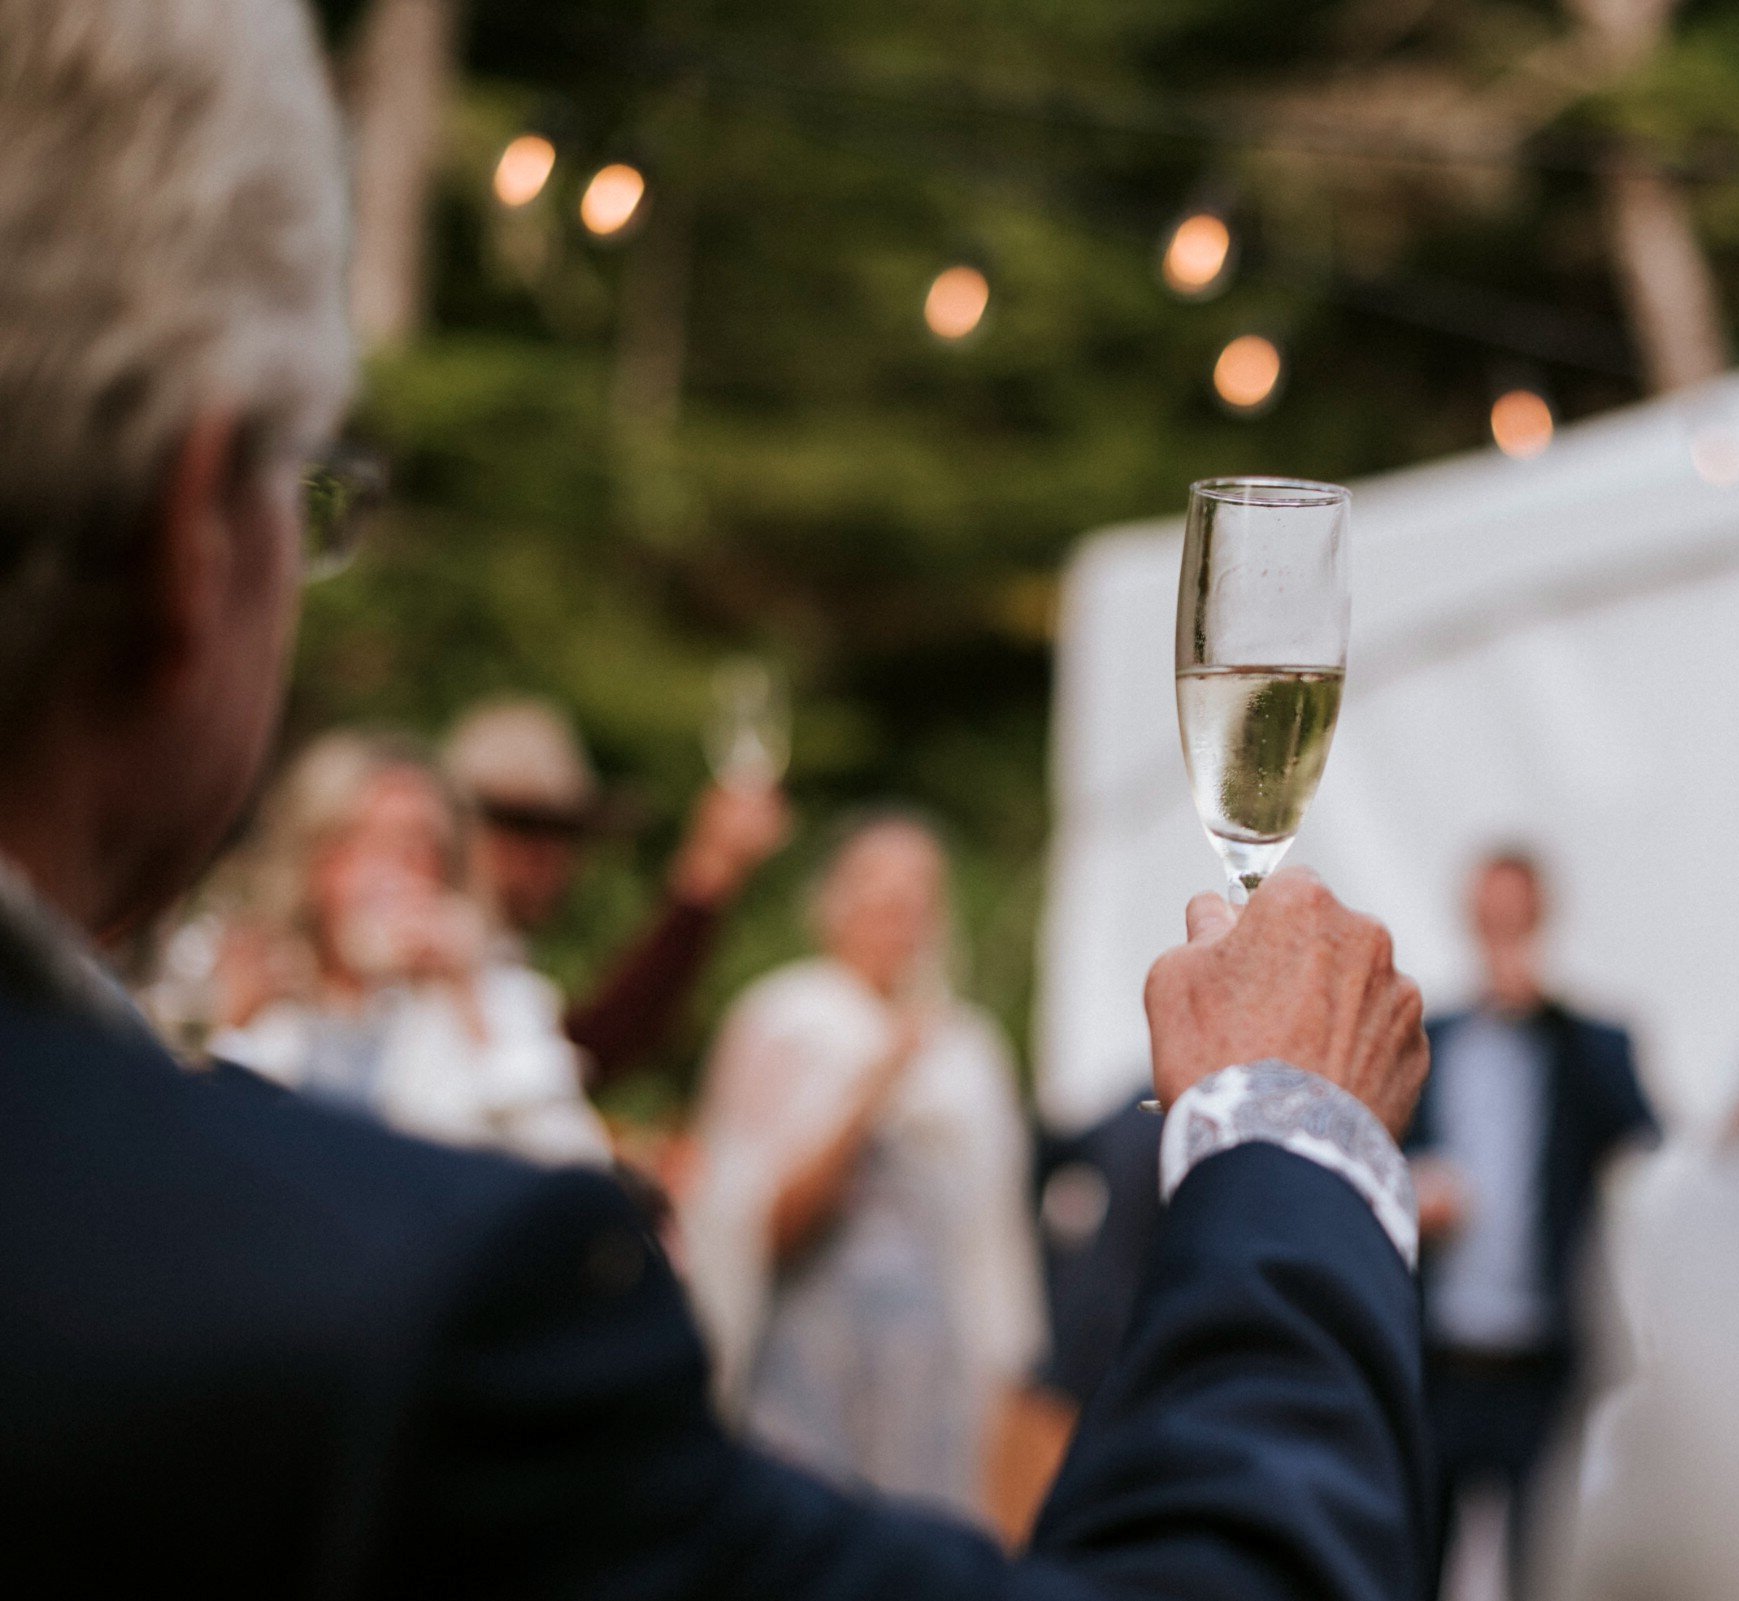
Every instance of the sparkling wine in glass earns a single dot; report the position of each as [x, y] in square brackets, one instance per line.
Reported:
[1262, 620]
[748, 734]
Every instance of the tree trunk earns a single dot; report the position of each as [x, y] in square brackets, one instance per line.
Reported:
[652, 331]
[1668, 286]
[651, 361]
[1664, 276]
[400, 75]
[652, 327]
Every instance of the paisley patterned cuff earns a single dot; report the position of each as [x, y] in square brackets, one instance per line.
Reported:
[1300, 1112]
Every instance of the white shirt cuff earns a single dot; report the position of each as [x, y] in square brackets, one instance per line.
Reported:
[1301, 1112]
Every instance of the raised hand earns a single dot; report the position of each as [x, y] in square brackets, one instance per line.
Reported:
[733, 831]
[1294, 976]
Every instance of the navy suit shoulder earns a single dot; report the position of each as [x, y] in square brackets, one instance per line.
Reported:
[1609, 1084]
[1594, 1079]
[219, 1303]
[1598, 1033]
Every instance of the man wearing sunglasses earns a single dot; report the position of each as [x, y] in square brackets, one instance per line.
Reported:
[538, 805]
[252, 1347]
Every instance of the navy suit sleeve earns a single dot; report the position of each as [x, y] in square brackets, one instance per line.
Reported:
[1258, 1440]
[1622, 1109]
[1421, 1135]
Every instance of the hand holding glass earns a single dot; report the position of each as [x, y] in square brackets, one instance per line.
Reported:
[1263, 615]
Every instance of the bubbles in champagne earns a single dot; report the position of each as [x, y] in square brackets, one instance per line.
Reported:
[1255, 740]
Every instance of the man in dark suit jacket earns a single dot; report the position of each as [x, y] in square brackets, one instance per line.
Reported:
[250, 1347]
[1527, 1104]
[1099, 1213]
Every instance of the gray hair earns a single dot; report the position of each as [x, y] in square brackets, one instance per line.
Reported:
[172, 228]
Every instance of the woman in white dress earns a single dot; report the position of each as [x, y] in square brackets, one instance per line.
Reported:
[402, 1007]
[859, 1238]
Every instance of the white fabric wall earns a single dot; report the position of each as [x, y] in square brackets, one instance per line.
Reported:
[1544, 652]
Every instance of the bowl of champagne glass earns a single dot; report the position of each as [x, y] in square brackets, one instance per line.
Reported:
[748, 730]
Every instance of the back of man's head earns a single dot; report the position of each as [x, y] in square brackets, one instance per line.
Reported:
[172, 229]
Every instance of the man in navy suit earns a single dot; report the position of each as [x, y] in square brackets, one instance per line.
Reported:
[251, 1347]
[1527, 1104]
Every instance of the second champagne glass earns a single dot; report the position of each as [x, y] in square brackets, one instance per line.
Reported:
[748, 735]
[1263, 615]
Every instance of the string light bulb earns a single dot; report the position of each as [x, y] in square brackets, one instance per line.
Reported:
[1247, 374]
[523, 170]
[612, 199]
[957, 301]
[1197, 259]
[1522, 424]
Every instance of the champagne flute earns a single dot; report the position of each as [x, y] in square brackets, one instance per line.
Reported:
[1262, 620]
[748, 734]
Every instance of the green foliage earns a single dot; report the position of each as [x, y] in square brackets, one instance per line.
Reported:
[881, 513]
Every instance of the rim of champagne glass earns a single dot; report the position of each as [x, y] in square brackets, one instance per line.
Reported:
[1270, 491]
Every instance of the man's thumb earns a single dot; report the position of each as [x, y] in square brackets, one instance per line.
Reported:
[1208, 918]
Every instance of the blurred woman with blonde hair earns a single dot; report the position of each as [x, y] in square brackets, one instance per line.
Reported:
[398, 1008]
[859, 1239]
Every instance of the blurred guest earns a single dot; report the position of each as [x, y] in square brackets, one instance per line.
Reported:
[860, 1233]
[1526, 1104]
[538, 800]
[403, 1012]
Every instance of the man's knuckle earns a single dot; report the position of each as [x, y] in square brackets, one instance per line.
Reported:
[1370, 938]
[1162, 978]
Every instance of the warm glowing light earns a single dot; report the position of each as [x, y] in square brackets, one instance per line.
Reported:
[1248, 372]
[612, 198]
[1197, 254]
[956, 302]
[1521, 424]
[1715, 455]
[524, 169]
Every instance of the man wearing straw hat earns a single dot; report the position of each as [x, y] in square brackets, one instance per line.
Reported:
[538, 802]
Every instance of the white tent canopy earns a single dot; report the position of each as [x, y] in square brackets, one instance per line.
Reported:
[1544, 653]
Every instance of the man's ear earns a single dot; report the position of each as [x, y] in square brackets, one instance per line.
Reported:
[186, 574]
